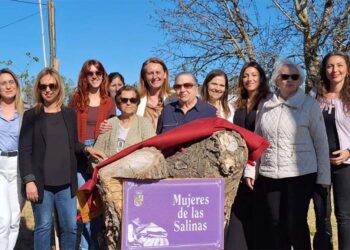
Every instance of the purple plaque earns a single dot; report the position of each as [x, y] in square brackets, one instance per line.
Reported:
[173, 214]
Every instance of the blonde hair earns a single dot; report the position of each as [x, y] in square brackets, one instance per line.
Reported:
[39, 101]
[18, 99]
[143, 85]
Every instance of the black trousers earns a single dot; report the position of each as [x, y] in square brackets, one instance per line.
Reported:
[288, 202]
[247, 227]
[322, 206]
[341, 193]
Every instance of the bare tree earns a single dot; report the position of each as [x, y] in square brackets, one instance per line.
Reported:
[207, 33]
[227, 33]
[322, 26]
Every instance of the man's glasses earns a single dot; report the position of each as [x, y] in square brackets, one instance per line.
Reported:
[126, 100]
[43, 87]
[294, 77]
[187, 85]
[96, 73]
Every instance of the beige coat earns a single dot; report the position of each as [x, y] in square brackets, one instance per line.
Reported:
[140, 130]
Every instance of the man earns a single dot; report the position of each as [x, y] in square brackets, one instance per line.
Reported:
[187, 108]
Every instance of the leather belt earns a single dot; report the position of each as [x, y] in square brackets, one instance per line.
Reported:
[9, 153]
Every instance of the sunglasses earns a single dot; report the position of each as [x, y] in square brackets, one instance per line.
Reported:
[187, 85]
[126, 100]
[43, 87]
[294, 77]
[91, 73]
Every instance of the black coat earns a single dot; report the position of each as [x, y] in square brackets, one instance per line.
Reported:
[32, 146]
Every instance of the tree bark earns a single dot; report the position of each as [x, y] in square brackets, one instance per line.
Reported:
[222, 155]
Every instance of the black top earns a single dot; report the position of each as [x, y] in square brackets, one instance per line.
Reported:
[56, 162]
[244, 119]
[332, 134]
[32, 147]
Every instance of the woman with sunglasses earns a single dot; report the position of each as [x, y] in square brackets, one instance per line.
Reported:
[48, 145]
[215, 91]
[297, 157]
[154, 89]
[246, 220]
[127, 128]
[333, 95]
[93, 106]
[11, 110]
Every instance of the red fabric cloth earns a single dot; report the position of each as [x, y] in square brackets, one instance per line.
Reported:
[104, 111]
[173, 140]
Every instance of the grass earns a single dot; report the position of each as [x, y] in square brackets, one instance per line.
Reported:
[312, 225]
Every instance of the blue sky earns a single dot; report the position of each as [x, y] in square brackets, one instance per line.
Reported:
[119, 33]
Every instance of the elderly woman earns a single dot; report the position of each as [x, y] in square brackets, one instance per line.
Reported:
[215, 91]
[11, 110]
[297, 157]
[128, 128]
[333, 95]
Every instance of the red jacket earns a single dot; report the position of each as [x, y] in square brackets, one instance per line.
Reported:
[173, 140]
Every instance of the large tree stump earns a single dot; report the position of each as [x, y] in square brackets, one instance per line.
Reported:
[146, 163]
[222, 155]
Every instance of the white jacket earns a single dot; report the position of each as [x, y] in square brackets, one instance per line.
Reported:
[297, 136]
[143, 103]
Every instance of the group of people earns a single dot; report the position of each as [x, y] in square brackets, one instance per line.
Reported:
[49, 151]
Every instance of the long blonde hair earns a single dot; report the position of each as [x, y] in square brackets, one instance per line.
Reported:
[18, 99]
[39, 101]
[143, 85]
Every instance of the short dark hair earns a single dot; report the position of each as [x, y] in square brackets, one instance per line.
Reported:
[127, 88]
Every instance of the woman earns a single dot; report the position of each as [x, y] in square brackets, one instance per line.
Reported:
[11, 110]
[297, 157]
[116, 81]
[154, 89]
[128, 128]
[333, 95]
[215, 91]
[93, 106]
[246, 214]
[47, 146]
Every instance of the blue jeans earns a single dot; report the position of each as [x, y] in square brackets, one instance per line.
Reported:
[89, 231]
[58, 197]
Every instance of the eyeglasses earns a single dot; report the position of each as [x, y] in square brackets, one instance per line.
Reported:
[43, 87]
[294, 77]
[187, 85]
[126, 100]
[11, 83]
[96, 73]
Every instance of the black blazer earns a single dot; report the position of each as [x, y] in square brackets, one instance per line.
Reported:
[32, 145]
